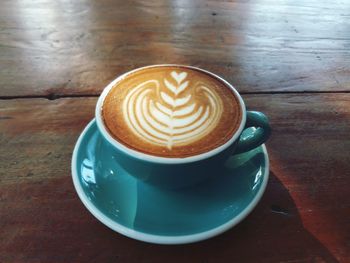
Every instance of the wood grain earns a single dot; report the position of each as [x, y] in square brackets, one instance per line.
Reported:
[50, 48]
[303, 216]
[290, 58]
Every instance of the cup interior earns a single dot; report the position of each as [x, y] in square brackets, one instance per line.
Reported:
[157, 159]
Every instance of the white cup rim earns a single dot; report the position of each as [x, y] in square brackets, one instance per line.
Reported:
[158, 159]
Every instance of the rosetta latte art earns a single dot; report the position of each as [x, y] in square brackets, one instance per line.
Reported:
[171, 112]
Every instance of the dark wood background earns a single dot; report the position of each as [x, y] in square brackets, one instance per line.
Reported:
[289, 59]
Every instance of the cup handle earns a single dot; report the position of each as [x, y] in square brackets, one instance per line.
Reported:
[259, 135]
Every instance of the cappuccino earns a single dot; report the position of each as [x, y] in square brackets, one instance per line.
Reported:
[171, 111]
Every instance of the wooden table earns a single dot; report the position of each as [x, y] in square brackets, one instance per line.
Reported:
[289, 59]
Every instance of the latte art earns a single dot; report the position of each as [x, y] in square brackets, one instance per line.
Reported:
[171, 111]
[170, 114]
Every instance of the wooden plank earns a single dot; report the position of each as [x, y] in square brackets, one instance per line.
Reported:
[303, 216]
[78, 47]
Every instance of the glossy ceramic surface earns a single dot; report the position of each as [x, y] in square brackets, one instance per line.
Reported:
[157, 215]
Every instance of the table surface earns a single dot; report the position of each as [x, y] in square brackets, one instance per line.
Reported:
[289, 59]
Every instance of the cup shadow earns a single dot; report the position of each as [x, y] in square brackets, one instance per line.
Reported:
[273, 232]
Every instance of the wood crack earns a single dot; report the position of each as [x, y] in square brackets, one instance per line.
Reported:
[54, 96]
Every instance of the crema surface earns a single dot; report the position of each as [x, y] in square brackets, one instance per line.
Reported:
[171, 111]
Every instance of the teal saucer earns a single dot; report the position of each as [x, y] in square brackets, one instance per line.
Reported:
[144, 212]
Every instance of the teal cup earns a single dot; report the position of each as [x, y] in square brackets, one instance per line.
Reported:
[173, 173]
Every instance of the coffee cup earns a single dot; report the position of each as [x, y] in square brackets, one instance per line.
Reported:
[174, 126]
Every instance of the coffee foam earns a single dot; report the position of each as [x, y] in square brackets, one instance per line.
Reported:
[171, 111]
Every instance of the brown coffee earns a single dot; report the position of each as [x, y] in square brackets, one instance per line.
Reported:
[171, 111]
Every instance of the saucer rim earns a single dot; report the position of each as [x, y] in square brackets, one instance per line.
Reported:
[160, 239]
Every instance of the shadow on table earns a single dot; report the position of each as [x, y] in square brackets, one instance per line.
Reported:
[57, 228]
[273, 232]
